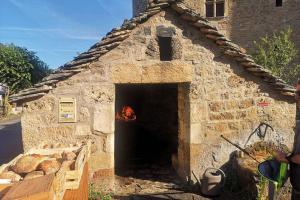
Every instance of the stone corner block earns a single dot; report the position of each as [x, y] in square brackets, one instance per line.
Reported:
[104, 118]
[83, 129]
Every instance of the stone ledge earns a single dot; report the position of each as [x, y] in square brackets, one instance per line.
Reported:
[163, 72]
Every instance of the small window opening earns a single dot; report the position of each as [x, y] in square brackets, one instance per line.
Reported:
[165, 48]
[278, 3]
[209, 10]
[215, 8]
[220, 9]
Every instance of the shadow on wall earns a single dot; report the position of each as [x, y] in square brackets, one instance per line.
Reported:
[235, 188]
[10, 141]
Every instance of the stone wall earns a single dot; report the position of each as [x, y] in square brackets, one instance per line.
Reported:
[215, 96]
[246, 21]
[139, 6]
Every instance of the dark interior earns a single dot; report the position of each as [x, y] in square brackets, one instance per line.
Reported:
[165, 48]
[278, 3]
[209, 10]
[220, 9]
[152, 138]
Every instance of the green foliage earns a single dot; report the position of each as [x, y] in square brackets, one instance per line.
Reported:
[95, 194]
[278, 54]
[20, 68]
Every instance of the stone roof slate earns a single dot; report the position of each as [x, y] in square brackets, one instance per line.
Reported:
[115, 37]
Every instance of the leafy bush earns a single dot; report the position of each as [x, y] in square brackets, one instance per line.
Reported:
[278, 54]
[20, 68]
[95, 194]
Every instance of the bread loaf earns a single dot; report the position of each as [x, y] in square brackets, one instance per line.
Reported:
[34, 174]
[49, 166]
[27, 164]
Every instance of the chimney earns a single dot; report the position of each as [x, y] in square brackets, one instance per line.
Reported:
[139, 6]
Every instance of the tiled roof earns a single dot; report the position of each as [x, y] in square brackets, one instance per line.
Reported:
[115, 37]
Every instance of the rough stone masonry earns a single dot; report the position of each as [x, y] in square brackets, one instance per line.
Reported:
[247, 21]
[220, 90]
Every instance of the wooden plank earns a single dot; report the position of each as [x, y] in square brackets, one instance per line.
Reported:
[73, 174]
[52, 151]
[59, 184]
[73, 177]
[33, 189]
[4, 189]
[82, 192]
[12, 162]
[81, 158]
[72, 185]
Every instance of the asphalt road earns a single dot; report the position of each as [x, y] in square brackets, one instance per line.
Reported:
[10, 140]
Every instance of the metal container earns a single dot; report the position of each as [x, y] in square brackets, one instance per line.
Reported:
[212, 182]
[276, 173]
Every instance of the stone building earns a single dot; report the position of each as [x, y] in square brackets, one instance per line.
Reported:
[186, 82]
[245, 21]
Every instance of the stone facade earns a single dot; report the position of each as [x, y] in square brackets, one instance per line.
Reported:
[139, 6]
[216, 96]
[246, 21]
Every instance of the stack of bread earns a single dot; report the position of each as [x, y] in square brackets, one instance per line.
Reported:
[35, 165]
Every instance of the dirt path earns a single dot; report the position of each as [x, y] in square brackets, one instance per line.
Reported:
[10, 139]
[152, 183]
[138, 189]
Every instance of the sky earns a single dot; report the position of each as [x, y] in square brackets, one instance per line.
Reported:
[57, 30]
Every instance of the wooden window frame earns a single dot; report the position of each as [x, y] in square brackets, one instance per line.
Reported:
[214, 3]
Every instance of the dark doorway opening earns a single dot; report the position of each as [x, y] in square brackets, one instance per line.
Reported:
[150, 139]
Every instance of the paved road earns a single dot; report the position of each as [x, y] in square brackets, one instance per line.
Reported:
[10, 140]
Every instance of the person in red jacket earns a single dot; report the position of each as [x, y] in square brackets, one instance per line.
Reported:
[127, 114]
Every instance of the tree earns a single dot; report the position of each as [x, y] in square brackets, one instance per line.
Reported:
[278, 54]
[20, 68]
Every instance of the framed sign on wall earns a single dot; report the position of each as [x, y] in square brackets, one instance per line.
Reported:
[67, 110]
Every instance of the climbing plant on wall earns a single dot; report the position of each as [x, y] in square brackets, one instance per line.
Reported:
[278, 54]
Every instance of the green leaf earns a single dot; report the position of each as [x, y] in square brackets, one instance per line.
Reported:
[278, 54]
[20, 68]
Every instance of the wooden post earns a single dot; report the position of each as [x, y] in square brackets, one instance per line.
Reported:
[6, 105]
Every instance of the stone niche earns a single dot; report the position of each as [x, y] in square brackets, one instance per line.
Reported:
[166, 46]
